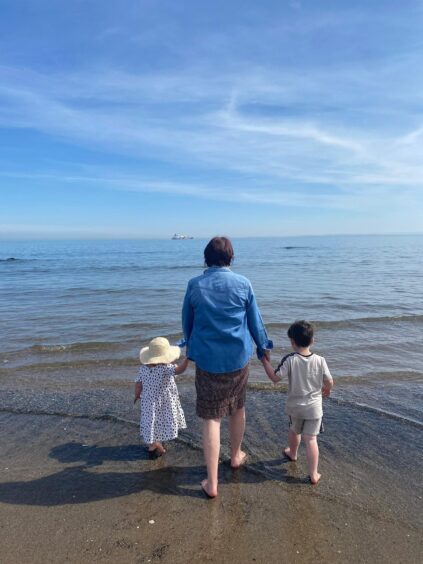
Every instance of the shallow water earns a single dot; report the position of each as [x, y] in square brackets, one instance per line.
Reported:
[85, 307]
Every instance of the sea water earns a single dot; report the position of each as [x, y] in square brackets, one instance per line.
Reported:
[84, 308]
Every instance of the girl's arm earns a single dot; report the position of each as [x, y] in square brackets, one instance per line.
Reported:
[268, 368]
[138, 390]
[180, 368]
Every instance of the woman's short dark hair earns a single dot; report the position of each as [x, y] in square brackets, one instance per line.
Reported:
[219, 252]
[301, 332]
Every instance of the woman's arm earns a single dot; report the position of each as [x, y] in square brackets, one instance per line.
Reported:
[187, 316]
[256, 326]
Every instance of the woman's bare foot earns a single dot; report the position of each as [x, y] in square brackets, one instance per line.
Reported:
[315, 478]
[238, 460]
[287, 453]
[210, 492]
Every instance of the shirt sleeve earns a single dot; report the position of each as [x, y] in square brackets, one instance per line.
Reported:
[187, 317]
[170, 369]
[256, 326]
[139, 378]
[327, 377]
[283, 368]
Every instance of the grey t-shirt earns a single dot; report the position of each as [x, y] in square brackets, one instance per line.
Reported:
[306, 375]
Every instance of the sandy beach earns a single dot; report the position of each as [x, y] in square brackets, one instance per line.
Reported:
[76, 489]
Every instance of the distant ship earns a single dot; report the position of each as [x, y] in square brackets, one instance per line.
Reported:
[178, 236]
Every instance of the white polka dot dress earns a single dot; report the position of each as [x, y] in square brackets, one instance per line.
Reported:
[161, 411]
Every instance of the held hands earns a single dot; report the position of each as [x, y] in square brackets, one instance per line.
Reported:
[266, 355]
[136, 399]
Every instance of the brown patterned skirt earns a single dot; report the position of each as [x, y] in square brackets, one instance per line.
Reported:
[220, 394]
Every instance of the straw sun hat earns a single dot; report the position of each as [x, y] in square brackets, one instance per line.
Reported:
[159, 351]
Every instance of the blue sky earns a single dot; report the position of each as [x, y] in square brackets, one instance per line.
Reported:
[145, 118]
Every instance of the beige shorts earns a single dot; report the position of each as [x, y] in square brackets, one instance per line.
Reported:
[306, 426]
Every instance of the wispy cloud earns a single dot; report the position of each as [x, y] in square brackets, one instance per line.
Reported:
[203, 121]
[270, 128]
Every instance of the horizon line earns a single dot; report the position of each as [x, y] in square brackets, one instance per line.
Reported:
[6, 238]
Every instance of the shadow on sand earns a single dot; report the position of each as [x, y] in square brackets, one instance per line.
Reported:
[84, 483]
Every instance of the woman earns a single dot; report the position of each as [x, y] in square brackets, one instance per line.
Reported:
[219, 318]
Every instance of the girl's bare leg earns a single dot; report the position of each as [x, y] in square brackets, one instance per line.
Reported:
[312, 451]
[211, 447]
[157, 445]
[236, 431]
[294, 441]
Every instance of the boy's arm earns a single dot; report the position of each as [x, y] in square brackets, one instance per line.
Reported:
[268, 368]
[327, 380]
[138, 390]
[180, 368]
[327, 387]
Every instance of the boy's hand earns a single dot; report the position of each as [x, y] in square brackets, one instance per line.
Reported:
[326, 390]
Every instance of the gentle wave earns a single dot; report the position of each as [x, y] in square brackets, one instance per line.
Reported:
[73, 347]
[341, 323]
[72, 365]
[379, 411]
[114, 268]
[111, 292]
[370, 377]
[290, 248]
[142, 267]
[12, 260]
[94, 346]
[109, 417]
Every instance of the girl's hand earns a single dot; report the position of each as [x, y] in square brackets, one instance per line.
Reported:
[136, 399]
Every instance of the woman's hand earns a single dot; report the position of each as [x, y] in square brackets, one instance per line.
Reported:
[266, 355]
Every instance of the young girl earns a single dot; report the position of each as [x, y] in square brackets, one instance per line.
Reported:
[161, 411]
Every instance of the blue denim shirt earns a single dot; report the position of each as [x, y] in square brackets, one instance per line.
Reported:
[220, 317]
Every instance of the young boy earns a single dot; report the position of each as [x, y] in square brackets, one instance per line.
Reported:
[308, 380]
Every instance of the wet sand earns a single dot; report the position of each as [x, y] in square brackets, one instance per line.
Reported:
[81, 490]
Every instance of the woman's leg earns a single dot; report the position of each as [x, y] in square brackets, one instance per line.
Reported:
[236, 431]
[211, 447]
[312, 452]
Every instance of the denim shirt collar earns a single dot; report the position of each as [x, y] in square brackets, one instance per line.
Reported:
[212, 269]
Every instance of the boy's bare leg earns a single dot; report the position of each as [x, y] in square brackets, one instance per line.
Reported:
[211, 447]
[236, 431]
[294, 441]
[312, 451]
